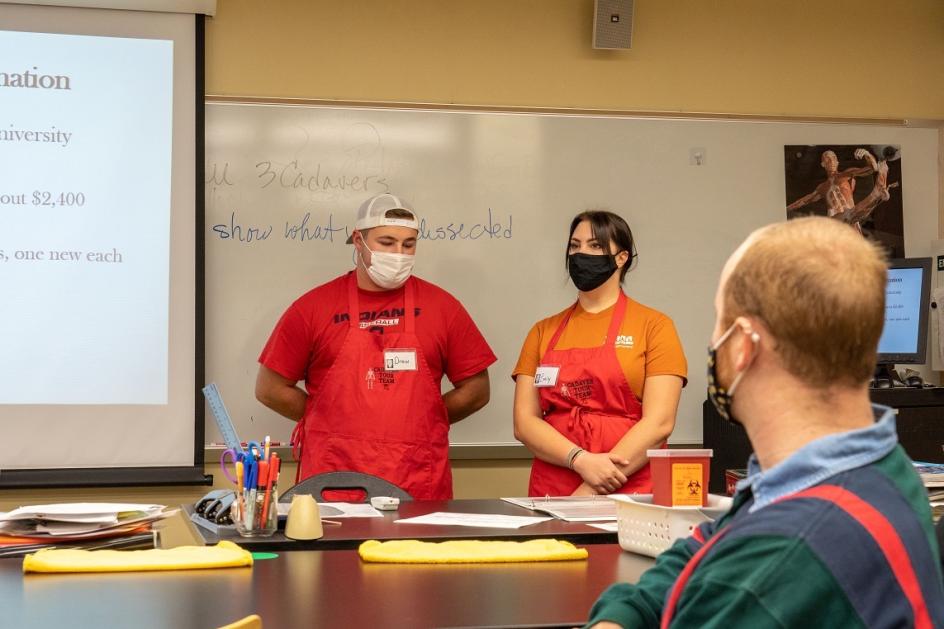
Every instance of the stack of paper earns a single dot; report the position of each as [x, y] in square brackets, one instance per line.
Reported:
[937, 506]
[73, 524]
[932, 474]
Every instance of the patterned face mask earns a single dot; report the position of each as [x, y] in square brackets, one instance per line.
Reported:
[720, 397]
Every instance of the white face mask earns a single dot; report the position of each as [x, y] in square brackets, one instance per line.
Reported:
[389, 270]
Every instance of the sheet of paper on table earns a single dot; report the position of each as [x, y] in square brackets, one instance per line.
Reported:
[339, 510]
[481, 520]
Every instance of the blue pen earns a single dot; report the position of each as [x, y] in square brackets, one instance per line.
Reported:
[251, 508]
[247, 475]
[248, 463]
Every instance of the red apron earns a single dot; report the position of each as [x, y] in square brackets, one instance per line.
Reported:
[591, 404]
[363, 418]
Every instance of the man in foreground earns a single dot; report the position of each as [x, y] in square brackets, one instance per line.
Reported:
[832, 526]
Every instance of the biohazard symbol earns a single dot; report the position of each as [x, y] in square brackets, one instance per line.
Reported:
[694, 488]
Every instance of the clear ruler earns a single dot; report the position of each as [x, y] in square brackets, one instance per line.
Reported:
[215, 400]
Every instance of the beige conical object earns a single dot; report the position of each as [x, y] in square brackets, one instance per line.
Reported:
[304, 518]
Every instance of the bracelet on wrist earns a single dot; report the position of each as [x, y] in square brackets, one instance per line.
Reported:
[573, 454]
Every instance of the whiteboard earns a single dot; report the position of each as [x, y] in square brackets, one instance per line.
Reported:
[283, 182]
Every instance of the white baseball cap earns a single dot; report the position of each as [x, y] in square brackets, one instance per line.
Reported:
[373, 213]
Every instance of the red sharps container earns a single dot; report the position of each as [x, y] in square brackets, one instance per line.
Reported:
[680, 477]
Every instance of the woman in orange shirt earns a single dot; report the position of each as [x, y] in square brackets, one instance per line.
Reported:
[587, 411]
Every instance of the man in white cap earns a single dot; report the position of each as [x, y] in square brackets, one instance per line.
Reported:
[372, 347]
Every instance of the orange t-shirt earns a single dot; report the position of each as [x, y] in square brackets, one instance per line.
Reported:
[647, 343]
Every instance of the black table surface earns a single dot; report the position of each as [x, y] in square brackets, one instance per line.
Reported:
[353, 531]
[320, 589]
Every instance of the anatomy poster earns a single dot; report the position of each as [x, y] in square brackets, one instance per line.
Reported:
[859, 184]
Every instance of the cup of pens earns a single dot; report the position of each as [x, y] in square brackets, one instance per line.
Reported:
[252, 517]
[255, 510]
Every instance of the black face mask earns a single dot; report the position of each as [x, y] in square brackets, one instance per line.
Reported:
[590, 271]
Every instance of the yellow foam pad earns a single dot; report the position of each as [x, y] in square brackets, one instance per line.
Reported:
[469, 551]
[223, 555]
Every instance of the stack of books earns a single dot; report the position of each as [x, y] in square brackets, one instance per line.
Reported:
[79, 525]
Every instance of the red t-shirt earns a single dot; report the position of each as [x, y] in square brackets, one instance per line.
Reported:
[308, 337]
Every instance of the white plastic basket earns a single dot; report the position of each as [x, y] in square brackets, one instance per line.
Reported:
[649, 529]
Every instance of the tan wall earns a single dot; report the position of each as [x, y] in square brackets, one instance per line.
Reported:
[849, 58]
[799, 57]
[471, 479]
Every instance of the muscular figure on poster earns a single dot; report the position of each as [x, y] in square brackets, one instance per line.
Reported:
[838, 187]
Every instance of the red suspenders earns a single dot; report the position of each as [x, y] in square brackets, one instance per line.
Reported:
[876, 524]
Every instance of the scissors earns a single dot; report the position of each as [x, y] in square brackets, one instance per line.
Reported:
[247, 457]
[233, 457]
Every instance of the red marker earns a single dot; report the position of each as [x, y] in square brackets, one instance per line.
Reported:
[261, 478]
[272, 478]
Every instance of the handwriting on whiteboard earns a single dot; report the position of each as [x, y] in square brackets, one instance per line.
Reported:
[310, 229]
[316, 180]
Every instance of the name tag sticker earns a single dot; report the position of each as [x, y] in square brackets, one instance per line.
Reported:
[546, 376]
[400, 360]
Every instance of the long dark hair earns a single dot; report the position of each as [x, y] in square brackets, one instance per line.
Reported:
[607, 228]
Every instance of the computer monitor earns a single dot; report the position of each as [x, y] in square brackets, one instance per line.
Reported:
[905, 335]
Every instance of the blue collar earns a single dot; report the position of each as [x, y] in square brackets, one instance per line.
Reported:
[820, 459]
